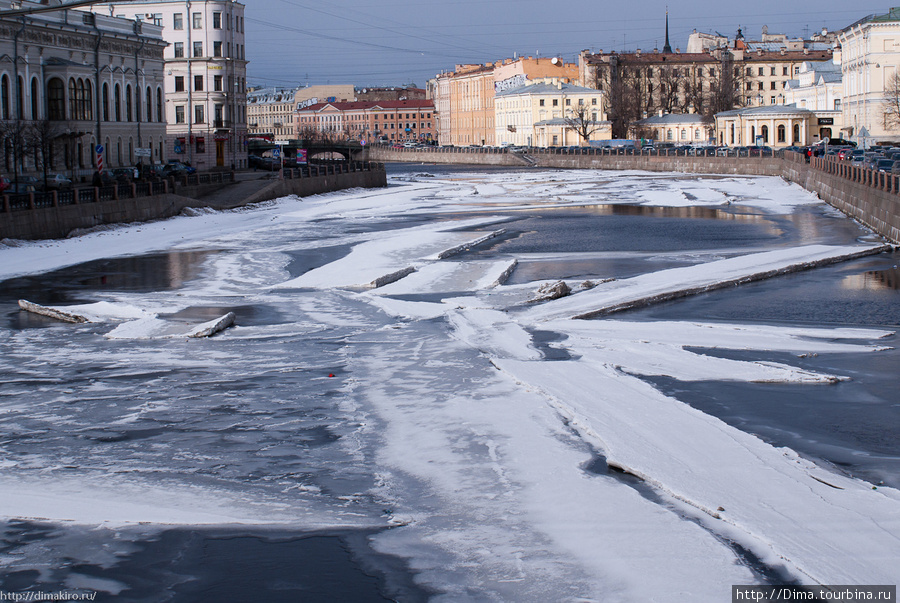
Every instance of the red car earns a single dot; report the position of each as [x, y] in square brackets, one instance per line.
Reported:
[4, 183]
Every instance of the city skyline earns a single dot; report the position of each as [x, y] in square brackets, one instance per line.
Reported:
[403, 42]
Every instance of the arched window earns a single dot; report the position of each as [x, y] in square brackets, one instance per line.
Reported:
[118, 101]
[782, 133]
[119, 152]
[128, 115]
[764, 132]
[105, 102]
[20, 97]
[88, 100]
[73, 99]
[669, 135]
[4, 97]
[796, 133]
[56, 100]
[35, 104]
[149, 105]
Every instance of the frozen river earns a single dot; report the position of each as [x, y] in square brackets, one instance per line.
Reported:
[396, 417]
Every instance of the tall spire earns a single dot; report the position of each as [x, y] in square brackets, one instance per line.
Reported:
[667, 47]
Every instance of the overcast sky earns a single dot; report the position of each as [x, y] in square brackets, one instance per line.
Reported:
[396, 42]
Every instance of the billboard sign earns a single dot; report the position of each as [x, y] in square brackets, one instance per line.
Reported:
[301, 157]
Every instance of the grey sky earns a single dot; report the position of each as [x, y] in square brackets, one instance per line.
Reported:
[395, 42]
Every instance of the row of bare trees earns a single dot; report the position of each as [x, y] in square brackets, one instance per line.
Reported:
[38, 142]
[636, 91]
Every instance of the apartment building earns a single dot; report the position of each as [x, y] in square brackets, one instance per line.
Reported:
[870, 56]
[465, 97]
[205, 75]
[270, 113]
[79, 81]
[548, 113]
[368, 121]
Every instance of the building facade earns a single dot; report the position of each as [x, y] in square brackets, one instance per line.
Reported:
[870, 56]
[77, 83]
[546, 114]
[774, 126]
[676, 128]
[369, 121]
[270, 113]
[206, 77]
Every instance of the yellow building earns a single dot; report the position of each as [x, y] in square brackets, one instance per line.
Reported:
[775, 126]
[464, 99]
[548, 113]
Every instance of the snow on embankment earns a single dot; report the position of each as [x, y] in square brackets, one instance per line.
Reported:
[669, 284]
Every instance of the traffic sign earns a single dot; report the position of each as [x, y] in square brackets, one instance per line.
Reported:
[99, 149]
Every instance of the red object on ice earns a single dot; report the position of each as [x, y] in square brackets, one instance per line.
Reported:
[331, 374]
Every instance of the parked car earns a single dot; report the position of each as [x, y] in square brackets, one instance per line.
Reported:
[187, 168]
[57, 182]
[123, 175]
[107, 178]
[884, 165]
[895, 169]
[174, 169]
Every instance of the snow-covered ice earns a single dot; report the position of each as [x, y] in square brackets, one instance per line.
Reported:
[391, 386]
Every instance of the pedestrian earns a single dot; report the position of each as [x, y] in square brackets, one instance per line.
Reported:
[137, 173]
[97, 180]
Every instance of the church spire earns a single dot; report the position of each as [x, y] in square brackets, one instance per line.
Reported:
[667, 47]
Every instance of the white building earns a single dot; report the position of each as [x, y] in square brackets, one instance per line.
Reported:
[87, 79]
[870, 56]
[206, 77]
[818, 86]
[680, 129]
[540, 114]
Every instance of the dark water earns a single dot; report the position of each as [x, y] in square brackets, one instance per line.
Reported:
[214, 564]
[855, 424]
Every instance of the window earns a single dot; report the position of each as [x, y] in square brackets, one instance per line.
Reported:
[4, 97]
[105, 102]
[198, 49]
[179, 50]
[594, 101]
[749, 71]
[764, 131]
[198, 83]
[762, 71]
[568, 102]
[217, 49]
[541, 103]
[781, 133]
[55, 99]
[772, 71]
[149, 105]
[198, 114]
[761, 86]
[179, 114]
[117, 99]
[177, 21]
[772, 85]
[669, 135]
[217, 83]
[159, 105]
[198, 21]
[217, 20]
[784, 71]
[555, 102]
[128, 115]
[771, 100]
[35, 114]
[581, 102]
[837, 104]
[179, 83]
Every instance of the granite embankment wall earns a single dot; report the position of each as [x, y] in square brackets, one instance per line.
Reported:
[871, 197]
[58, 220]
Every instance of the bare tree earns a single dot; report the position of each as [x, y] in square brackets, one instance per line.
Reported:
[891, 103]
[582, 119]
[14, 142]
[43, 138]
[725, 87]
